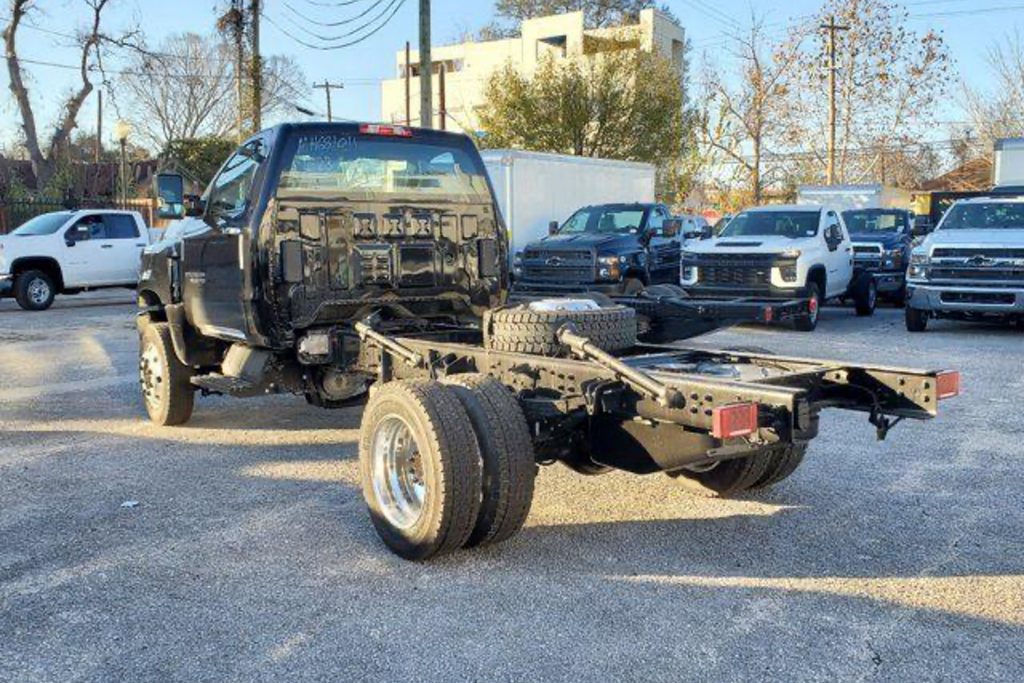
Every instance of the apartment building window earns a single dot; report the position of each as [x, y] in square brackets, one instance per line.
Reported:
[552, 45]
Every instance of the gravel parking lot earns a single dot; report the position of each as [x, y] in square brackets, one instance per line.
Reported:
[238, 547]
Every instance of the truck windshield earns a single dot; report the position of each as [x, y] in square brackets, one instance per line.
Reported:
[46, 224]
[792, 224]
[369, 166]
[874, 220]
[603, 220]
[985, 216]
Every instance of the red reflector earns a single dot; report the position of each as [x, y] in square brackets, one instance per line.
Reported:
[947, 384]
[738, 419]
[769, 313]
[379, 129]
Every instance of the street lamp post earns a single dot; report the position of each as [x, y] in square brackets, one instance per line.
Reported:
[121, 131]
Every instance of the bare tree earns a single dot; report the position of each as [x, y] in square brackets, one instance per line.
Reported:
[889, 80]
[743, 122]
[999, 111]
[187, 89]
[92, 43]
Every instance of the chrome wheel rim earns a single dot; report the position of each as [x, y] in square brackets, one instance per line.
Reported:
[814, 306]
[151, 376]
[397, 473]
[38, 291]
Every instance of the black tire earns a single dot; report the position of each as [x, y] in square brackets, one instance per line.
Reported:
[865, 295]
[520, 330]
[445, 461]
[726, 479]
[916, 319]
[165, 382]
[34, 290]
[599, 298]
[783, 461]
[807, 323]
[509, 465]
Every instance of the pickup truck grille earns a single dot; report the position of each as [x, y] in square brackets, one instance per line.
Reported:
[868, 255]
[984, 265]
[735, 270]
[558, 266]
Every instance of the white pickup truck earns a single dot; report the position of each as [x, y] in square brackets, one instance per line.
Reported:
[782, 252]
[67, 252]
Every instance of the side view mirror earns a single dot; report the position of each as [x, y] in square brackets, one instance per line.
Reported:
[553, 228]
[69, 242]
[920, 229]
[194, 205]
[170, 192]
[671, 227]
[645, 238]
[706, 232]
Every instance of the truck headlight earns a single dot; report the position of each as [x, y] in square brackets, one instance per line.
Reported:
[517, 264]
[608, 267]
[787, 272]
[790, 253]
[919, 262]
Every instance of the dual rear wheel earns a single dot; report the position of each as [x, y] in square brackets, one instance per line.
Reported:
[445, 465]
[729, 478]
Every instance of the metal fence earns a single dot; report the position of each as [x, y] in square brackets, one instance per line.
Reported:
[14, 213]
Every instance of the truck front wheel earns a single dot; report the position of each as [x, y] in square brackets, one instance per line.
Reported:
[809, 321]
[165, 381]
[865, 295]
[917, 320]
[725, 478]
[420, 468]
[34, 290]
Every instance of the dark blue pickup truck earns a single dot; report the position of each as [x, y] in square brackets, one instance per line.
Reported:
[612, 248]
[881, 246]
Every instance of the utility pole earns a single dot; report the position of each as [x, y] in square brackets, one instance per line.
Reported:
[237, 27]
[426, 68]
[327, 85]
[443, 102]
[257, 67]
[408, 84]
[99, 125]
[832, 29]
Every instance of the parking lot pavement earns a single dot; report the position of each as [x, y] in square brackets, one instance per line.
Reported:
[238, 548]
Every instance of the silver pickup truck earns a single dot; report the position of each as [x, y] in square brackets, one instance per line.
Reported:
[972, 266]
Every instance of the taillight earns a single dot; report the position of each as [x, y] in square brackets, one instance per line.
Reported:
[947, 384]
[738, 419]
[382, 129]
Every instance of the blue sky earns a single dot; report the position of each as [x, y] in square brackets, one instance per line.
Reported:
[968, 26]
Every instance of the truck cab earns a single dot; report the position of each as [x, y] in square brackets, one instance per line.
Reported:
[780, 252]
[611, 248]
[882, 241]
[971, 267]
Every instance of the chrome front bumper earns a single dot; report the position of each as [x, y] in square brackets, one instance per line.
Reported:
[966, 299]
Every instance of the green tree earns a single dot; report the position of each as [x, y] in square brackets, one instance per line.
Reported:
[617, 105]
[198, 157]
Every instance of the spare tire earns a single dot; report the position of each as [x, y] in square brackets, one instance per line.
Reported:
[521, 330]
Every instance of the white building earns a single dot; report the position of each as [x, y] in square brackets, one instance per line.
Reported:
[469, 65]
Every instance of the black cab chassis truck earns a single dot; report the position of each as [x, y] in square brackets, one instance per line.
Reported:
[368, 263]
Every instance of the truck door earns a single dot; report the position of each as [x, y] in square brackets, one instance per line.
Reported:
[127, 245]
[663, 252]
[86, 258]
[214, 263]
[838, 254]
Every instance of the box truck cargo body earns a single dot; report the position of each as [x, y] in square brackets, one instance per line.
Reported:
[1008, 162]
[846, 197]
[534, 188]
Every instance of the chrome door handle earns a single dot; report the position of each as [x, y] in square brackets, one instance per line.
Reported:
[106, 246]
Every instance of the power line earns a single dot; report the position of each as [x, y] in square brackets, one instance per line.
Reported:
[347, 34]
[340, 46]
[331, 24]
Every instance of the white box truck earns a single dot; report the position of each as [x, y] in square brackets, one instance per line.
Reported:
[535, 188]
[1008, 163]
[845, 197]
